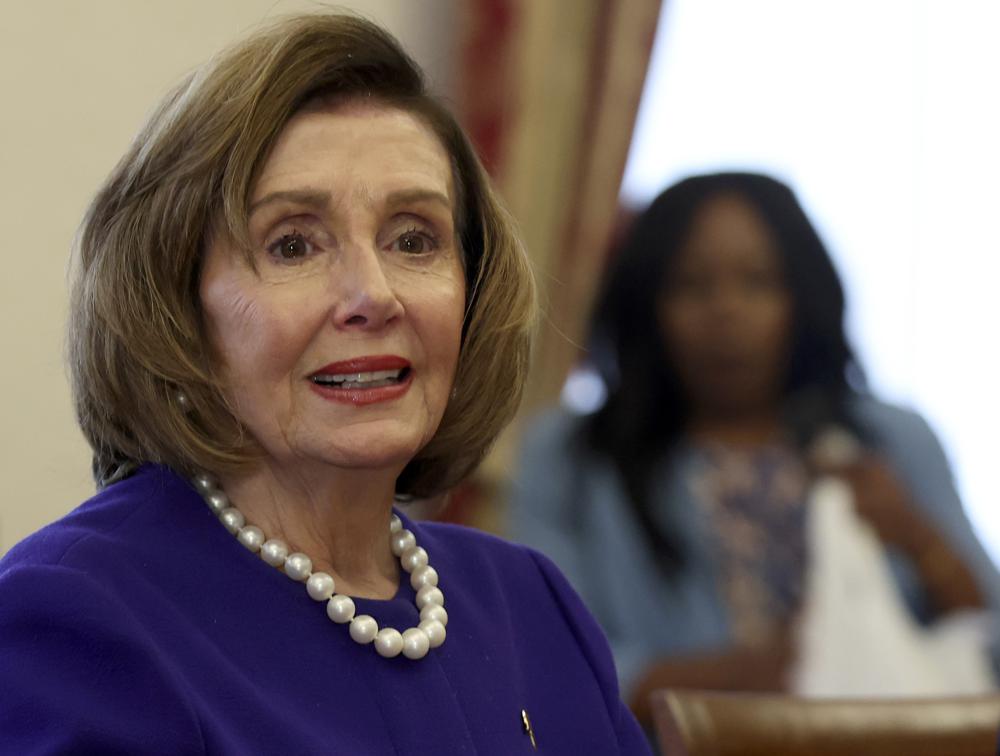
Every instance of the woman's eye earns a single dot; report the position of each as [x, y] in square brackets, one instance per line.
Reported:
[762, 280]
[691, 284]
[414, 243]
[292, 246]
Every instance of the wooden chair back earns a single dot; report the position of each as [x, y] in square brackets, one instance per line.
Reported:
[703, 723]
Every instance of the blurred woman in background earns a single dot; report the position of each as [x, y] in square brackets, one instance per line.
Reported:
[677, 509]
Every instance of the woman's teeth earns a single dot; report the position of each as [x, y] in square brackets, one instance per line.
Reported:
[374, 379]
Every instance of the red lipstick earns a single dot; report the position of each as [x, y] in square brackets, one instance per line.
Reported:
[363, 380]
[364, 365]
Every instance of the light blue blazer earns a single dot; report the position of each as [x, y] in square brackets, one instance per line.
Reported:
[571, 506]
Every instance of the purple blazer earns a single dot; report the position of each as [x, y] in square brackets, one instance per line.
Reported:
[137, 624]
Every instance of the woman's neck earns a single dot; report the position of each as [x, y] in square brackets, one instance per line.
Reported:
[338, 518]
[750, 428]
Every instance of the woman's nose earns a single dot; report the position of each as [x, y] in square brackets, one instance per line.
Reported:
[366, 299]
[731, 299]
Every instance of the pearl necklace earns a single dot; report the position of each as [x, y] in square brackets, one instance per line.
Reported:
[413, 643]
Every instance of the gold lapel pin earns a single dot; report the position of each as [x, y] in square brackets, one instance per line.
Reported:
[526, 724]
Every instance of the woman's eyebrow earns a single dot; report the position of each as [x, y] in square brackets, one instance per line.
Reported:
[404, 196]
[316, 199]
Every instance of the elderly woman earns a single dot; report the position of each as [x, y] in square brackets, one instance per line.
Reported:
[297, 299]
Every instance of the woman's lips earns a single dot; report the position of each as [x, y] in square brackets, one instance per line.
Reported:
[367, 364]
[363, 380]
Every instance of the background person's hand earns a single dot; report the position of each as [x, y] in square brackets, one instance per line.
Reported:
[882, 499]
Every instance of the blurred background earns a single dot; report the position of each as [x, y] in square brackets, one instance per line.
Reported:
[878, 112]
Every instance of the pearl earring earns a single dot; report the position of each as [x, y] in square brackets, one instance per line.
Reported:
[182, 401]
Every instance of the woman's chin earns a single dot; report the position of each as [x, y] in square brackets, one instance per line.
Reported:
[383, 454]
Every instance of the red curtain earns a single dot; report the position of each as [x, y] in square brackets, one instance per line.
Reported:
[549, 91]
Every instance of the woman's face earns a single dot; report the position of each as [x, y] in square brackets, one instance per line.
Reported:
[725, 312]
[341, 347]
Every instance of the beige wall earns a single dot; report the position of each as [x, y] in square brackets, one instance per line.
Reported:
[76, 80]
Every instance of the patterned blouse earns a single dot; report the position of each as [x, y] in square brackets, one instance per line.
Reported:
[753, 504]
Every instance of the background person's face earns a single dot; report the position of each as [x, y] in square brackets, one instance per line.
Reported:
[725, 312]
[356, 255]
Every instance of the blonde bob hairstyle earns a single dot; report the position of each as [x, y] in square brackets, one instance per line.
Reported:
[145, 381]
